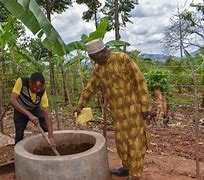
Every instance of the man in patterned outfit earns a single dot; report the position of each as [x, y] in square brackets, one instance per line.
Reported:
[126, 91]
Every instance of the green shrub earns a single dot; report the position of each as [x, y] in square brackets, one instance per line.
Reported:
[158, 79]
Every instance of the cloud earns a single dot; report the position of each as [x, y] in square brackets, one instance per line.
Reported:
[149, 21]
[70, 24]
[147, 26]
[147, 9]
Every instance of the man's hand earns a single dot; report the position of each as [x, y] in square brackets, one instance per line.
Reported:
[33, 119]
[146, 115]
[78, 110]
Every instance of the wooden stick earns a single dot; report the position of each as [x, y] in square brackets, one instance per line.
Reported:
[1, 118]
[105, 117]
[47, 139]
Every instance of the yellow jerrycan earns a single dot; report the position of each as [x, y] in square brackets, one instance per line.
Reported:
[85, 116]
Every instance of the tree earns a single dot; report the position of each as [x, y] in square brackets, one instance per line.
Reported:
[57, 6]
[176, 34]
[4, 13]
[93, 6]
[30, 14]
[37, 49]
[119, 10]
[8, 38]
[196, 22]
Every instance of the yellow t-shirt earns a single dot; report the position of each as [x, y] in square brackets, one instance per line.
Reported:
[17, 89]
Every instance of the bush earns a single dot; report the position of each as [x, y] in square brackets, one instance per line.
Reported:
[158, 79]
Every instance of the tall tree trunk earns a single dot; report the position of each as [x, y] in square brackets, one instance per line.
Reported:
[202, 103]
[105, 104]
[80, 74]
[15, 72]
[181, 38]
[95, 14]
[3, 90]
[66, 94]
[196, 104]
[117, 25]
[52, 79]
[1, 113]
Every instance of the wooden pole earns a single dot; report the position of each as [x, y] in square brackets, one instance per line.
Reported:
[105, 117]
[196, 128]
[47, 139]
[1, 118]
[196, 104]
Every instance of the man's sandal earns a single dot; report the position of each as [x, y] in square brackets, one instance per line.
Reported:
[121, 171]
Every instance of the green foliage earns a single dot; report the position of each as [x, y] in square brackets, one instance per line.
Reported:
[117, 45]
[32, 16]
[134, 55]
[125, 8]
[196, 63]
[196, 22]
[4, 13]
[181, 74]
[158, 79]
[175, 100]
[36, 48]
[93, 6]
[100, 31]
[75, 45]
[80, 45]
[7, 34]
[56, 5]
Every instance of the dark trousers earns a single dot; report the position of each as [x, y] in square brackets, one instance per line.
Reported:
[21, 122]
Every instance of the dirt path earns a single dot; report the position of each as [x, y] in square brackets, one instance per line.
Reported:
[171, 155]
[157, 168]
[162, 168]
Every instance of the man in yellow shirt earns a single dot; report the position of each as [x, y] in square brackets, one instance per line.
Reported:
[126, 90]
[30, 103]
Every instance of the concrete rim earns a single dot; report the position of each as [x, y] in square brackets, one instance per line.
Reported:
[100, 141]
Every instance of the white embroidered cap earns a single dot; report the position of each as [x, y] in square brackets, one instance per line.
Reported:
[95, 46]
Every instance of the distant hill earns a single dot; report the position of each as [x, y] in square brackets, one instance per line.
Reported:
[163, 57]
[155, 57]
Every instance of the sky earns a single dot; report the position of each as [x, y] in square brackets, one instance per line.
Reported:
[149, 19]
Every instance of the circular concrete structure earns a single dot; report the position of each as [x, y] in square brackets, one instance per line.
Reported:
[91, 164]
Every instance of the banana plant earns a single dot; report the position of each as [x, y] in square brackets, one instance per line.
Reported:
[195, 64]
[34, 19]
[6, 37]
[99, 33]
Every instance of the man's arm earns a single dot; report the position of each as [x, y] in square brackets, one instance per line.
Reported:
[22, 110]
[141, 84]
[44, 104]
[91, 88]
[48, 121]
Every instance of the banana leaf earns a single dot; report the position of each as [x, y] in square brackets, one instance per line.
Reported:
[30, 14]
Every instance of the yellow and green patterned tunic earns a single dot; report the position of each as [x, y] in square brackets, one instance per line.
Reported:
[126, 91]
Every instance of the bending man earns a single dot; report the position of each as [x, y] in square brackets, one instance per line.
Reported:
[126, 91]
[30, 103]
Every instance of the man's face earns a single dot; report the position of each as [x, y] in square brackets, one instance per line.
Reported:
[100, 57]
[35, 87]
